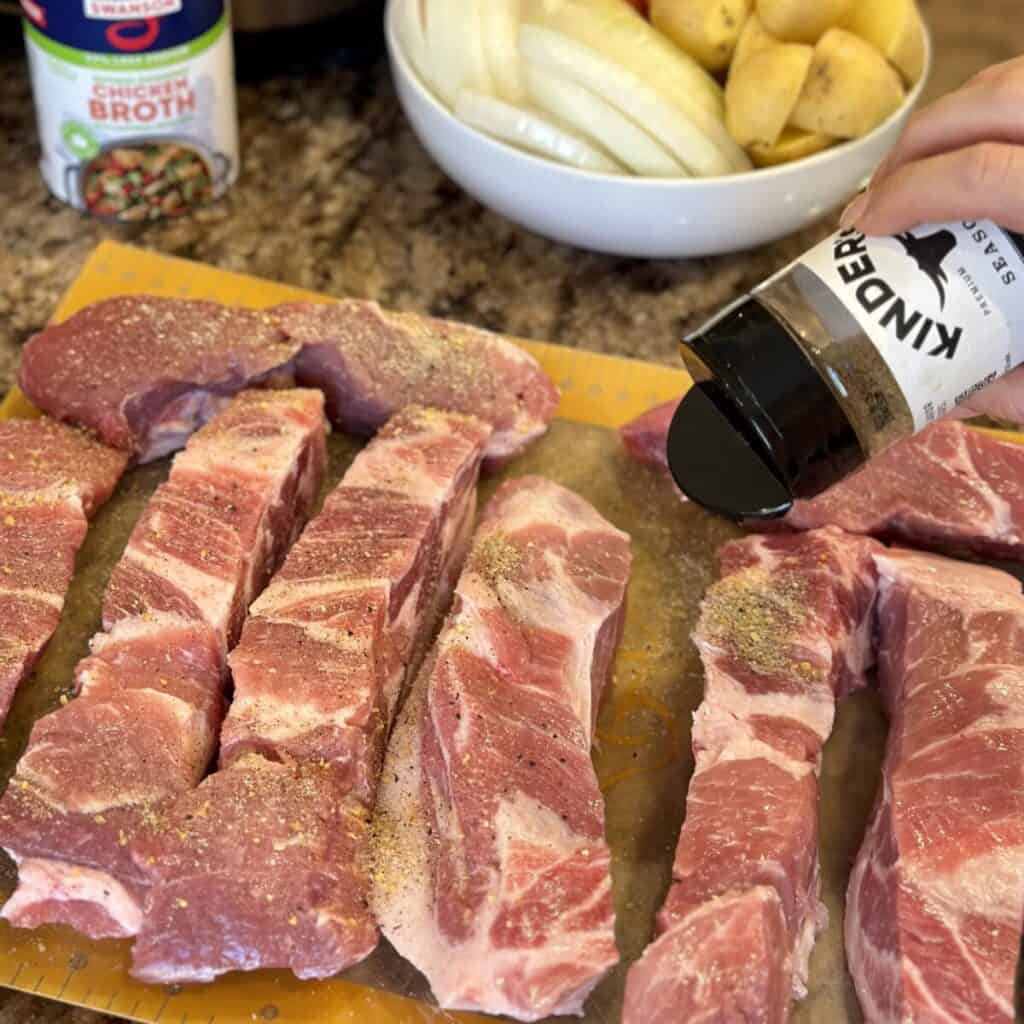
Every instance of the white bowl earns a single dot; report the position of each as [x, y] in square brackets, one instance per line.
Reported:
[652, 218]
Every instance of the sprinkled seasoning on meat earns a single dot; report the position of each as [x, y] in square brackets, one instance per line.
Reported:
[143, 372]
[52, 478]
[491, 873]
[369, 363]
[783, 634]
[264, 865]
[144, 725]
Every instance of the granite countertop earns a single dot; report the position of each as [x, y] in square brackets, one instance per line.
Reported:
[336, 195]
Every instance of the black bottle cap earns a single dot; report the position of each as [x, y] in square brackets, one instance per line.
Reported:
[760, 428]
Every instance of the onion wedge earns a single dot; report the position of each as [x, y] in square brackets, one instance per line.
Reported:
[702, 145]
[620, 34]
[499, 23]
[412, 37]
[590, 115]
[531, 131]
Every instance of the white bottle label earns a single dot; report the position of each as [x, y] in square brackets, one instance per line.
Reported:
[943, 304]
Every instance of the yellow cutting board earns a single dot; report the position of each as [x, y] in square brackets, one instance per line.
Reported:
[642, 754]
[598, 390]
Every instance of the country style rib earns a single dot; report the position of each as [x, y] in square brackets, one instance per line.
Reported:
[145, 722]
[370, 363]
[490, 868]
[264, 865]
[936, 898]
[949, 488]
[237, 497]
[143, 372]
[52, 479]
[785, 632]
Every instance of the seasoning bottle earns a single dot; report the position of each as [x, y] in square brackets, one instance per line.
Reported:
[135, 103]
[858, 343]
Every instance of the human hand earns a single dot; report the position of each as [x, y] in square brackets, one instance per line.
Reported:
[962, 158]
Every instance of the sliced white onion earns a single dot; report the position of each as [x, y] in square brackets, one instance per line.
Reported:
[412, 37]
[499, 20]
[532, 131]
[701, 142]
[591, 116]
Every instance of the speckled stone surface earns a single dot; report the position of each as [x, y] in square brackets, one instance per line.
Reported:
[338, 196]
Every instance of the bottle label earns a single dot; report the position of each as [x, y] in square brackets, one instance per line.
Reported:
[943, 304]
[135, 102]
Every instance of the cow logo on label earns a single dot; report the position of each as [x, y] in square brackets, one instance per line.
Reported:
[929, 252]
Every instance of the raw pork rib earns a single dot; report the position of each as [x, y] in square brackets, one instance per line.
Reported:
[784, 633]
[143, 372]
[370, 363]
[236, 499]
[145, 723]
[948, 488]
[936, 899]
[52, 478]
[646, 437]
[264, 865]
[491, 872]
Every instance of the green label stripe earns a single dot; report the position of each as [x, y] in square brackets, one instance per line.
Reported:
[126, 61]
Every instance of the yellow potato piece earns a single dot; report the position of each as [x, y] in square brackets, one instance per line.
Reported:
[763, 91]
[753, 37]
[706, 29]
[850, 89]
[801, 21]
[895, 29]
[793, 145]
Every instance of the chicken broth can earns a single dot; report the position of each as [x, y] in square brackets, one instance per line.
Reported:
[135, 103]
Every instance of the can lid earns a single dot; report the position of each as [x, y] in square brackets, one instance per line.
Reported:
[761, 427]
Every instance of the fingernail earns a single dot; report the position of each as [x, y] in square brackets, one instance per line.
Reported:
[854, 211]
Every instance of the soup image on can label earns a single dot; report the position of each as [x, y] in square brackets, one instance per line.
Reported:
[135, 103]
[161, 179]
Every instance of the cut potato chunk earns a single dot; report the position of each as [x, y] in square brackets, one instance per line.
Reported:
[703, 149]
[895, 29]
[763, 91]
[793, 145]
[616, 31]
[499, 22]
[706, 29]
[532, 131]
[588, 114]
[753, 37]
[801, 21]
[850, 89]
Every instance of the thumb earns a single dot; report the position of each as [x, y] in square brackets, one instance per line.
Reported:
[1002, 400]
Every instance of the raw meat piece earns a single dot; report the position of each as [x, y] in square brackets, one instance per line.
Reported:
[936, 898]
[52, 478]
[145, 724]
[490, 867]
[143, 372]
[949, 488]
[785, 632]
[143, 728]
[323, 657]
[370, 363]
[39, 455]
[646, 437]
[236, 499]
